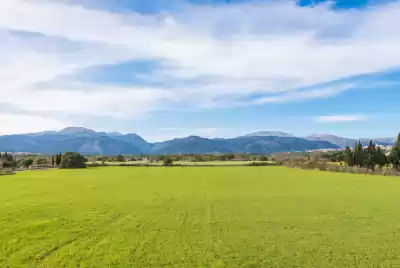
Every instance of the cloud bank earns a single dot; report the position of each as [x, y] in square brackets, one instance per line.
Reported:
[205, 56]
[340, 118]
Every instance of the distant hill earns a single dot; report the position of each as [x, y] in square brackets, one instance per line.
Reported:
[268, 134]
[343, 142]
[87, 141]
[256, 145]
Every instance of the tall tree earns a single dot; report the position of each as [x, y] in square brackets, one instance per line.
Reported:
[58, 159]
[370, 156]
[395, 154]
[348, 156]
[358, 155]
[381, 159]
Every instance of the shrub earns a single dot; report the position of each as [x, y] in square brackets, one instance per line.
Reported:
[73, 160]
[323, 166]
[9, 164]
[120, 158]
[41, 161]
[167, 161]
[27, 162]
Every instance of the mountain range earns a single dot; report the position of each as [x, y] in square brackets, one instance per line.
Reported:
[87, 141]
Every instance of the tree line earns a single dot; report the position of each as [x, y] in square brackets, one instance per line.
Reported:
[372, 156]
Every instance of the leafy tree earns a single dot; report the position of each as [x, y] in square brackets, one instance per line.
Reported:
[73, 160]
[348, 156]
[9, 164]
[58, 159]
[167, 161]
[120, 158]
[27, 162]
[370, 156]
[52, 161]
[395, 154]
[358, 153]
[381, 159]
[41, 161]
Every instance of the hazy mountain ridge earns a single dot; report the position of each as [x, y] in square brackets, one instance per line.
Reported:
[343, 142]
[268, 134]
[88, 141]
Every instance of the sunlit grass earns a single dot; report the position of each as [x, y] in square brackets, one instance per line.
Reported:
[198, 217]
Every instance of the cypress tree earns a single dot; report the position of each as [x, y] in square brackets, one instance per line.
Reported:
[381, 159]
[358, 155]
[348, 156]
[395, 154]
[370, 156]
[58, 159]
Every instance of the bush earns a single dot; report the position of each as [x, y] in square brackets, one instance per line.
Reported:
[120, 158]
[27, 162]
[323, 166]
[9, 164]
[73, 160]
[42, 161]
[167, 161]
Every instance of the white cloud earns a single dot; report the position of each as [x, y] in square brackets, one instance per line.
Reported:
[219, 55]
[340, 118]
[18, 124]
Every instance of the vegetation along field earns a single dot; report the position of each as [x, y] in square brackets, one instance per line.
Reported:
[198, 217]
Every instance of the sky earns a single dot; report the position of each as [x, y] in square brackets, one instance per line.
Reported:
[214, 68]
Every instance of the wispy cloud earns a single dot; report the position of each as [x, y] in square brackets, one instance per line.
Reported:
[340, 118]
[207, 56]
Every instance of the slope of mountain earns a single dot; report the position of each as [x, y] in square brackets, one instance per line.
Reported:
[191, 145]
[339, 141]
[88, 141]
[53, 143]
[133, 139]
[256, 145]
[343, 142]
[268, 134]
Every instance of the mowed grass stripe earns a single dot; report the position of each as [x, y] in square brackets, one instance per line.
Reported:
[198, 217]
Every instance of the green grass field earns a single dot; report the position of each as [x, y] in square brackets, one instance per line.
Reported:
[184, 163]
[198, 217]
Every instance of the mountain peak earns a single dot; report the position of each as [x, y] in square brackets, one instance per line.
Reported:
[74, 130]
[268, 134]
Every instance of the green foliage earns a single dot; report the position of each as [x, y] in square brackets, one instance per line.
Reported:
[8, 157]
[381, 159]
[395, 154]
[358, 154]
[370, 156]
[26, 162]
[167, 161]
[58, 159]
[120, 158]
[348, 157]
[73, 160]
[41, 161]
[367, 158]
[9, 164]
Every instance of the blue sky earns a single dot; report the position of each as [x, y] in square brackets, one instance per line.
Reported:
[220, 68]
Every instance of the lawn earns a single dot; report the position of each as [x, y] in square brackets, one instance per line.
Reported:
[198, 217]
